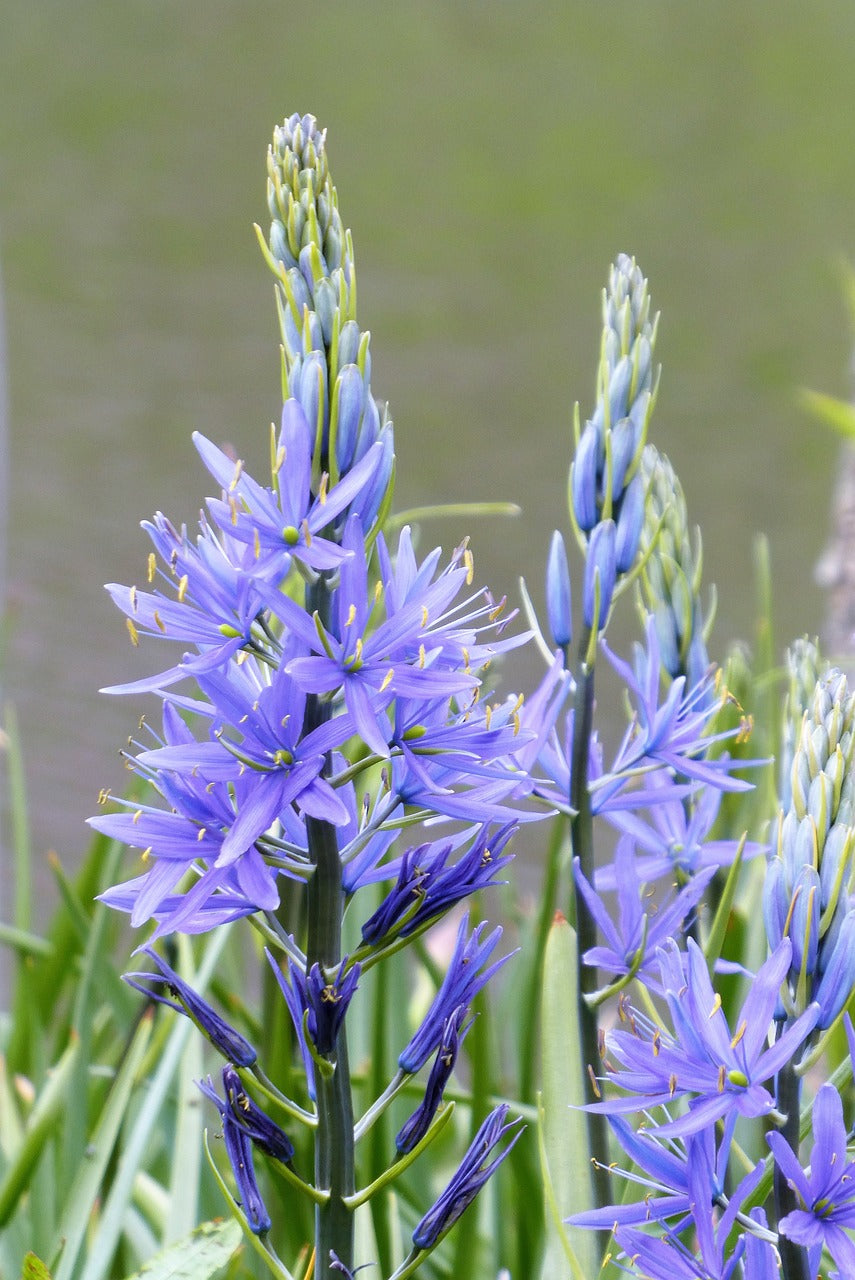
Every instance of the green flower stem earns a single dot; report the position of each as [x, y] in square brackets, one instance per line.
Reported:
[334, 1161]
[794, 1261]
[582, 845]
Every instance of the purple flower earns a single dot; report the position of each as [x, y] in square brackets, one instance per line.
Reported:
[248, 1116]
[474, 1170]
[719, 1069]
[672, 841]
[423, 649]
[325, 1000]
[666, 1257]
[826, 1188]
[641, 925]
[463, 979]
[189, 837]
[446, 1055]
[230, 1043]
[665, 1178]
[289, 518]
[428, 885]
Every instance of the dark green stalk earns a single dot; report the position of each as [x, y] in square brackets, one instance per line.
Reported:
[334, 1160]
[794, 1260]
[582, 844]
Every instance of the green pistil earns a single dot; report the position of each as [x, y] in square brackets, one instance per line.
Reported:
[290, 535]
[738, 1078]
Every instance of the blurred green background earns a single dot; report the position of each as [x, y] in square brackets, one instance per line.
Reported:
[491, 159]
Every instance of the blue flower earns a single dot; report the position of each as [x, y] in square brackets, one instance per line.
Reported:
[719, 1070]
[474, 1170]
[826, 1188]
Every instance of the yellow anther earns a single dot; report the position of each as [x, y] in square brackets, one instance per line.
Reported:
[183, 584]
[655, 1043]
[135, 819]
[242, 657]
[203, 831]
[743, 1026]
[134, 599]
[160, 623]
[722, 1073]
[387, 679]
[146, 854]
[278, 460]
[745, 729]
[307, 535]
[152, 566]
[470, 567]
[715, 1006]
[351, 616]
[357, 651]
[488, 715]
[233, 510]
[424, 615]
[132, 631]
[593, 1079]
[322, 490]
[103, 795]
[236, 476]
[378, 591]
[256, 544]
[422, 656]
[672, 1086]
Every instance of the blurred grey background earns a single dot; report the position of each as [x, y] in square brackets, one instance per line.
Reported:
[491, 159]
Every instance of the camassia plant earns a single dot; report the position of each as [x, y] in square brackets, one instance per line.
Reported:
[333, 775]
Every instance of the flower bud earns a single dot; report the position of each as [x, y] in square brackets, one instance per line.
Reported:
[558, 601]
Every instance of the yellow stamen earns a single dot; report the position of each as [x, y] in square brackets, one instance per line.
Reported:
[132, 632]
[183, 584]
[152, 566]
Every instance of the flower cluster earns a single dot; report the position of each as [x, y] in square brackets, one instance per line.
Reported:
[326, 700]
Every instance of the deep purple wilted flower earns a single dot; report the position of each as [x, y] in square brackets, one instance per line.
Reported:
[826, 1187]
[718, 1069]
[230, 1043]
[470, 1177]
[248, 1116]
[429, 884]
[446, 1056]
[325, 1000]
[463, 979]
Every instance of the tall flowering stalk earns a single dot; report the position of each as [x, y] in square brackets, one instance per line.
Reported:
[327, 700]
[328, 748]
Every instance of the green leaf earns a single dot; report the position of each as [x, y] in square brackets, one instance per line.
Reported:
[87, 1186]
[34, 1269]
[40, 1128]
[839, 414]
[563, 1131]
[198, 1256]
